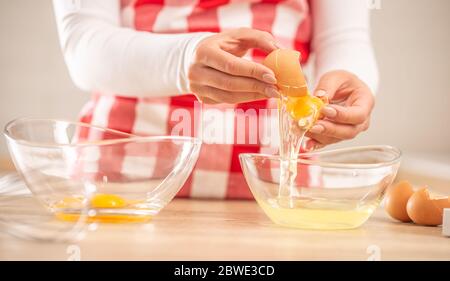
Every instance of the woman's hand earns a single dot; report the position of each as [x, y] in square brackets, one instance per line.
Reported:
[220, 75]
[347, 115]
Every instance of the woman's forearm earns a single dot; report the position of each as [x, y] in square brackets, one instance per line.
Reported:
[102, 56]
[341, 39]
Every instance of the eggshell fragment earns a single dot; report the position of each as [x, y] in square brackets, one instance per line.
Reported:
[286, 66]
[396, 200]
[424, 210]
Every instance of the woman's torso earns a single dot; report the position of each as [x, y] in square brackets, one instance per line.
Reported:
[227, 130]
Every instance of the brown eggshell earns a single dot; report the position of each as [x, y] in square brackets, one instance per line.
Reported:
[286, 66]
[424, 210]
[396, 200]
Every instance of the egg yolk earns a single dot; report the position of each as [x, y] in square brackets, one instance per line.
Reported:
[304, 107]
[107, 201]
[100, 201]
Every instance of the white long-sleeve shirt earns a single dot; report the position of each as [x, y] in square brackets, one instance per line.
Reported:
[105, 54]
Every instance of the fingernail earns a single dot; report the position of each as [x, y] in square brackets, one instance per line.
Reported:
[269, 78]
[329, 111]
[320, 93]
[271, 92]
[317, 129]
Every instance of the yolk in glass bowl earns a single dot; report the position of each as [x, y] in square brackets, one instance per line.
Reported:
[100, 202]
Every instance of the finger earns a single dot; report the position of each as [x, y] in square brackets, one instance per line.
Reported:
[258, 39]
[202, 95]
[222, 96]
[313, 145]
[225, 62]
[356, 111]
[216, 79]
[207, 100]
[352, 115]
[335, 130]
[339, 131]
[321, 139]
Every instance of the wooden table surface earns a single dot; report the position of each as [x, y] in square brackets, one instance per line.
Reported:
[236, 230]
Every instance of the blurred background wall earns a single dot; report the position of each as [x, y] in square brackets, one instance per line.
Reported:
[411, 39]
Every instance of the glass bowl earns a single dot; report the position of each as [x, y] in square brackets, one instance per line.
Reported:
[122, 177]
[336, 189]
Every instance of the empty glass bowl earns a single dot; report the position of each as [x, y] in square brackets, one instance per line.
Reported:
[121, 177]
[337, 189]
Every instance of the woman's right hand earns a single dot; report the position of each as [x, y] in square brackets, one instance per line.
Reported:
[219, 74]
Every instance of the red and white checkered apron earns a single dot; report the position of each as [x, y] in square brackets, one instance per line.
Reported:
[217, 173]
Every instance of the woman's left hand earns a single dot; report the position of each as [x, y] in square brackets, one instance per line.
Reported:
[347, 115]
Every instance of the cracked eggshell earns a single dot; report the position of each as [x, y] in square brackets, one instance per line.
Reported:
[287, 69]
[424, 210]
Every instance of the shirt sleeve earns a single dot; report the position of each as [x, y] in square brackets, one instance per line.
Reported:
[103, 56]
[341, 39]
